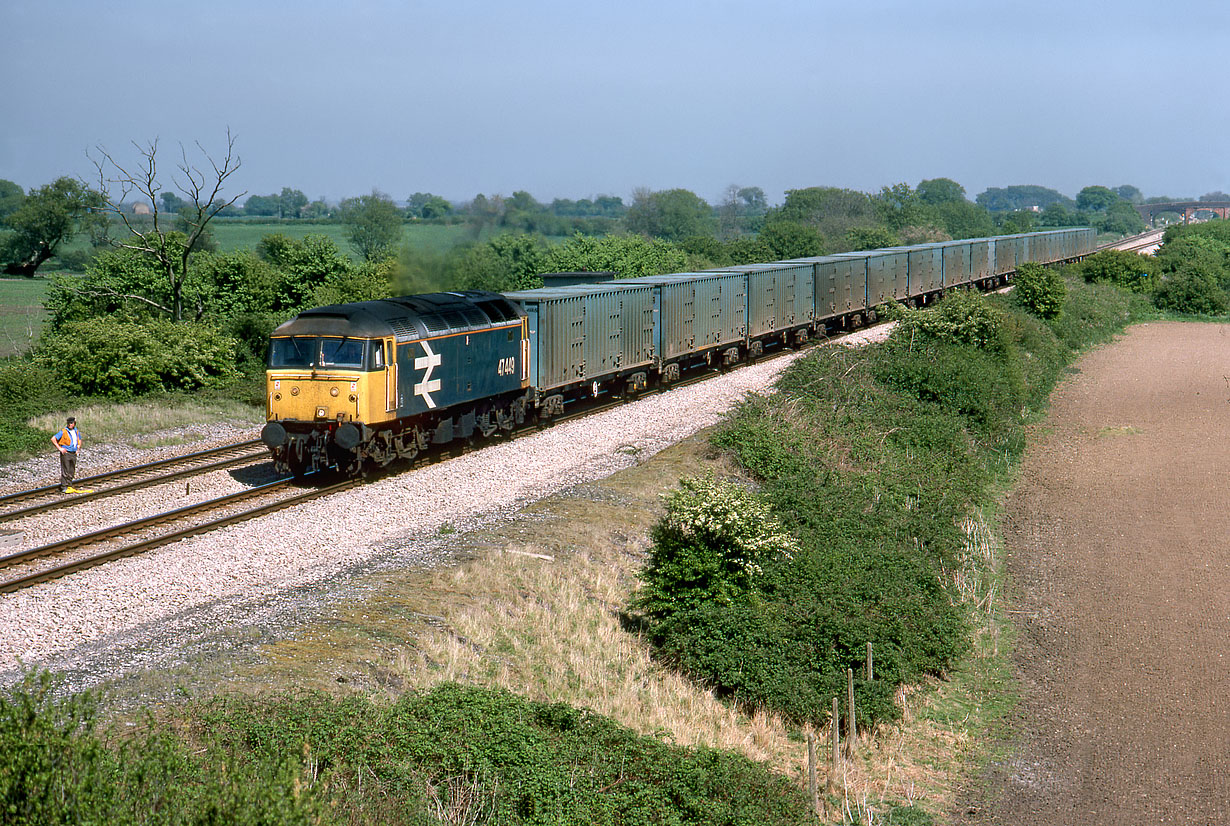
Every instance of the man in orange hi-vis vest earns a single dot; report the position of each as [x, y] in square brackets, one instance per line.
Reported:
[68, 442]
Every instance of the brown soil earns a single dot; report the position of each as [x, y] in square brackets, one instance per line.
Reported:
[1118, 541]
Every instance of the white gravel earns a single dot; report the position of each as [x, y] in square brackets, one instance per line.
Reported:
[140, 611]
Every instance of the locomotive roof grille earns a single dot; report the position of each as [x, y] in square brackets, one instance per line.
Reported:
[408, 317]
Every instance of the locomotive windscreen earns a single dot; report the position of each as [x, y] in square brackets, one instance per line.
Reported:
[317, 351]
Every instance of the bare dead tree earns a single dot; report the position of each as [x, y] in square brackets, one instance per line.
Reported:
[170, 246]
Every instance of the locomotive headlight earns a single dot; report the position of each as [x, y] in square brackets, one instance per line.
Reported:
[353, 397]
[332, 391]
[277, 397]
[294, 391]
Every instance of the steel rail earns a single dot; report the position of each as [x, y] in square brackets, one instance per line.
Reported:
[18, 496]
[136, 484]
[57, 571]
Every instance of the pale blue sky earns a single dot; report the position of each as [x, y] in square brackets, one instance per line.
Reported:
[575, 99]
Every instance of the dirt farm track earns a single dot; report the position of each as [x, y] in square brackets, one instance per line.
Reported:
[1118, 549]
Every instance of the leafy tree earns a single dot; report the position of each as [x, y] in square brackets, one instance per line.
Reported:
[46, 218]
[923, 234]
[629, 256]
[425, 205]
[1121, 218]
[1216, 195]
[833, 212]
[963, 219]
[506, 262]
[936, 191]
[373, 225]
[170, 244]
[291, 203]
[870, 238]
[789, 239]
[742, 210]
[710, 549]
[1193, 290]
[1059, 214]
[118, 359]
[753, 200]
[900, 207]
[1015, 222]
[262, 205]
[604, 206]
[672, 214]
[303, 266]
[523, 202]
[171, 203]
[316, 209]
[1096, 199]
[484, 211]
[1130, 194]
[11, 196]
[1011, 198]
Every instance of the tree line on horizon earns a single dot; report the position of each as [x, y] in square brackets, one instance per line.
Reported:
[35, 227]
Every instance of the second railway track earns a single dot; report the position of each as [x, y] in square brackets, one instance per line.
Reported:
[78, 553]
[25, 503]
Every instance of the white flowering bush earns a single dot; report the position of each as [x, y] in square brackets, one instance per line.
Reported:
[711, 548]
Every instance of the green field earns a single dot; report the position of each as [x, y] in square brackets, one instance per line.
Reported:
[233, 235]
[21, 313]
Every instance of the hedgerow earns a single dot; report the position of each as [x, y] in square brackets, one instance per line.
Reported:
[456, 754]
[870, 458]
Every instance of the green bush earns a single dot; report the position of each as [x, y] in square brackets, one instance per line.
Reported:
[120, 359]
[57, 767]
[478, 755]
[1129, 270]
[962, 316]
[710, 548]
[1040, 290]
[1192, 290]
[26, 389]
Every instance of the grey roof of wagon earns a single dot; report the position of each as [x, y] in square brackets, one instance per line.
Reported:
[408, 317]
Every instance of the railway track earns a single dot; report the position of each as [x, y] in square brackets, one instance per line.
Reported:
[1145, 243]
[37, 500]
[18, 570]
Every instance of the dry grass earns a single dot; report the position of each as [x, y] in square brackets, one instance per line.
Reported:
[133, 422]
[543, 618]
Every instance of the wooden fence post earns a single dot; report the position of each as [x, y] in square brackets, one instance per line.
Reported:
[812, 791]
[850, 729]
[835, 761]
[871, 672]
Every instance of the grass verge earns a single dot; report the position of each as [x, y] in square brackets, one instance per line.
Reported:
[146, 423]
